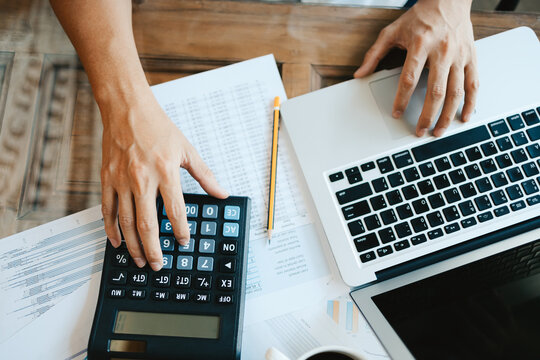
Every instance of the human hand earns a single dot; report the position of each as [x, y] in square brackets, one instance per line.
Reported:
[439, 35]
[142, 152]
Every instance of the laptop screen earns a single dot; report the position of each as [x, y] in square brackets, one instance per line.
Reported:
[488, 309]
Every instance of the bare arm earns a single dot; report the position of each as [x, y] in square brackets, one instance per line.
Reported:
[437, 34]
[142, 149]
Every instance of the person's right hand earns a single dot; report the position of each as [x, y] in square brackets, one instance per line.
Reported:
[142, 153]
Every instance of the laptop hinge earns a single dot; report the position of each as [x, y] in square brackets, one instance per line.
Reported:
[459, 249]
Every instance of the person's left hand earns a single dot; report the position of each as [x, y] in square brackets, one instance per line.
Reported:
[439, 35]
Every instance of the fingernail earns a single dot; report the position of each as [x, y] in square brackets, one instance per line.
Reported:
[422, 132]
[397, 114]
[140, 262]
[466, 118]
[439, 132]
[183, 241]
[156, 265]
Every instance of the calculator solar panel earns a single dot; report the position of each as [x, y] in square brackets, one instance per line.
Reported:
[193, 307]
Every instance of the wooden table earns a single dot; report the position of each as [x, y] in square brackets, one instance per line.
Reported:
[50, 135]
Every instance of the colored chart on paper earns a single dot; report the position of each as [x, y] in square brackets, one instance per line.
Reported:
[344, 313]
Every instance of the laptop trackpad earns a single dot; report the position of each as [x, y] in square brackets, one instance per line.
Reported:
[384, 92]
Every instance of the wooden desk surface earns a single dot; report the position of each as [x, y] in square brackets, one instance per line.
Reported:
[50, 134]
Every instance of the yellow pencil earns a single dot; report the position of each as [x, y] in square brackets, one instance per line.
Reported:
[273, 170]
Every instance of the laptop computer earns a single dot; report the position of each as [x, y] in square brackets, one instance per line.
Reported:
[397, 209]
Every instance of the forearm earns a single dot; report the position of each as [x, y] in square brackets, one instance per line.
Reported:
[101, 31]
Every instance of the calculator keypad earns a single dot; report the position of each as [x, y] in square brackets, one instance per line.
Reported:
[202, 271]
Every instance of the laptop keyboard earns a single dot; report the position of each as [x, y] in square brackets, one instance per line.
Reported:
[414, 196]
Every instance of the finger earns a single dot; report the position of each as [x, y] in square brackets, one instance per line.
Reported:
[171, 192]
[375, 53]
[204, 176]
[147, 226]
[471, 91]
[126, 218]
[436, 89]
[454, 94]
[412, 69]
[109, 209]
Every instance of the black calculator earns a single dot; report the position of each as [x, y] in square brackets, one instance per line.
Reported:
[193, 307]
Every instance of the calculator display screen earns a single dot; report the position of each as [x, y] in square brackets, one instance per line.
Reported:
[159, 324]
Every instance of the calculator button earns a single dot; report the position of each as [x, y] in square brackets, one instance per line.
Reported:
[137, 294]
[224, 299]
[182, 281]
[189, 247]
[225, 283]
[181, 296]
[192, 210]
[228, 247]
[160, 295]
[117, 293]
[120, 259]
[166, 243]
[184, 263]
[208, 228]
[232, 212]
[205, 263]
[230, 229]
[210, 211]
[203, 282]
[167, 262]
[161, 280]
[192, 227]
[228, 265]
[202, 297]
[118, 277]
[166, 227]
[138, 278]
[207, 246]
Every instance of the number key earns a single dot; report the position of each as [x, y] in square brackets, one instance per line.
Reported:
[166, 243]
[207, 246]
[166, 227]
[205, 263]
[210, 211]
[184, 262]
[167, 261]
[208, 228]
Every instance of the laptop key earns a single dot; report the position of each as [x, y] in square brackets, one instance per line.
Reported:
[386, 235]
[419, 224]
[473, 153]
[458, 158]
[504, 143]
[355, 210]
[433, 234]
[519, 138]
[519, 155]
[367, 257]
[457, 176]
[472, 171]
[425, 187]
[514, 174]
[483, 185]
[451, 228]
[489, 148]
[530, 169]
[443, 164]
[452, 195]
[372, 222]
[498, 127]
[529, 187]
[427, 169]
[354, 193]
[395, 179]
[356, 227]
[377, 202]
[404, 211]
[467, 190]
[533, 150]
[435, 219]
[420, 206]
[401, 245]
[503, 210]
[418, 239]
[465, 223]
[482, 202]
[498, 197]
[451, 213]
[385, 165]
[368, 166]
[534, 133]
[503, 161]
[488, 166]
[441, 181]
[402, 159]
[385, 250]
[483, 217]
[388, 217]
[379, 185]
[411, 174]
[517, 205]
[352, 171]
[366, 242]
[335, 177]
[514, 192]
[515, 122]
[533, 200]
[436, 201]
[530, 117]
[409, 192]
[394, 197]
[499, 179]
[353, 179]
[467, 208]
[403, 230]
